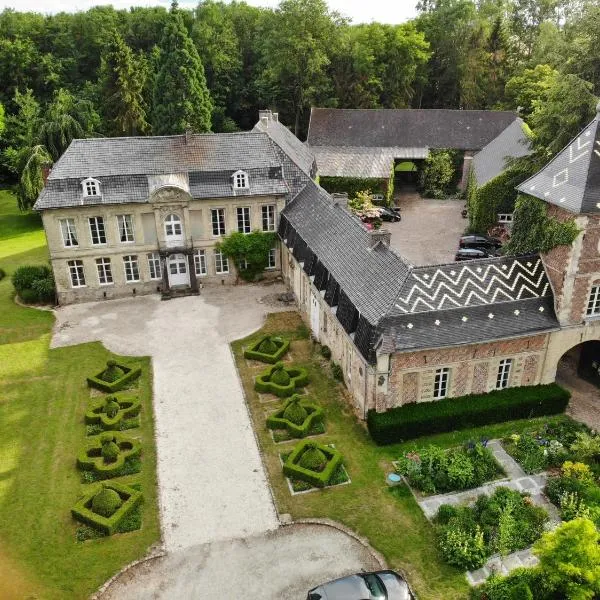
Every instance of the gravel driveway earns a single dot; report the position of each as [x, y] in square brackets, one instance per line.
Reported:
[212, 485]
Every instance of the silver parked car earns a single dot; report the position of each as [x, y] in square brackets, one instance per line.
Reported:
[380, 585]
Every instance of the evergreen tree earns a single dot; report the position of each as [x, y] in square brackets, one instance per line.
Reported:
[122, 81]
[181, 99]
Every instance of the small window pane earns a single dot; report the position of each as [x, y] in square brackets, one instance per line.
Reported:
[125, 225]
[440, 385]
[97, 230]
[104, 271]
[154, 265]
[132, 271]
[593, 307]
[272, 259]
[221, 262]
[76, 273]
[503, 377]
[200, 262]
[243, 219]
[268, 217]
[69, 235]
[218, 221]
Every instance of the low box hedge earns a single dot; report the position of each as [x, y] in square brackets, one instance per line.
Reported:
[315, 415]
[298, 379]
[130, 374]
[253, 353]
[426, 418]
[83, 512]
[91, 459]
[129, 406]
[292, 469]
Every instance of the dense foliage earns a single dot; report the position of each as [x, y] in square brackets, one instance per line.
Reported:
[438, 174]
[34, 284]
[250, 252]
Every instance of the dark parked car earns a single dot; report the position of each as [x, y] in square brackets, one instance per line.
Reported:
[387, 214]
[470, 254]
[381, 585]
[482, 242]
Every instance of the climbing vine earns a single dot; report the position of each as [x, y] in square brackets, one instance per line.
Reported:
[249, 252]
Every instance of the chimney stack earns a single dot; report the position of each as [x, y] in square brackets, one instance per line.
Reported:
[382, 236]
[188, 135]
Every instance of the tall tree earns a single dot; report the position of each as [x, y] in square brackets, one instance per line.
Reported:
[122, 80]
[530, 86]
[181, 99]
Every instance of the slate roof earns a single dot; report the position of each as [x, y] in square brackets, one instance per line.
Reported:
[336, 161]
[427, 128]
[492, 160]
[572, 179]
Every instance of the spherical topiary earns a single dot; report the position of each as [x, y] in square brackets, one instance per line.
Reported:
[110, 452]
[313, 458]
[326, 352]
[106, 502]
[279, 375]
[111, 407]
[112, 372]
[294, 411]
[267, 346]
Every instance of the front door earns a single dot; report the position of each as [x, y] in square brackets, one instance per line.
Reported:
[314, 315]
[178, 270]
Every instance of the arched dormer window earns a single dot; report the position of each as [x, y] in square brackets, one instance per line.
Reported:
[240, 180]
[91, 187]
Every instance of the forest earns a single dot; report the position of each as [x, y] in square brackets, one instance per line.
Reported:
[107, 72]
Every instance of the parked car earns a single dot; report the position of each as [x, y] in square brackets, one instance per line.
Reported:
[481, 242]
[470, 254]
[380, 585]
[387, 214]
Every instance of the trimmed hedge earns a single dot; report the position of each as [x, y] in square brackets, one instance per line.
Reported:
[292, 469]
[91, 458]
[315, 415]
[426, 418]
[254, 353]
[82, 511]
[34, 283]
[298, 379]
[129, 406]
[131, 373]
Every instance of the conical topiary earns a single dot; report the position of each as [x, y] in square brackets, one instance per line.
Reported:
[110, 452]
[112, 372]
[279, 375]
[294, 411]
[111, 407]
[313, 458]
[106, 502]
[267, 346]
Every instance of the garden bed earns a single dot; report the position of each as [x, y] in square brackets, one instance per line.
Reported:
[297, 486]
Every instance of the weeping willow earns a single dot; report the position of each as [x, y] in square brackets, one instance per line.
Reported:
[32, 177]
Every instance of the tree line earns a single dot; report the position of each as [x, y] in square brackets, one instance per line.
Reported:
[107, 72]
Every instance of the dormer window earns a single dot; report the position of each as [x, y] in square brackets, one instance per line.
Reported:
[91, 187]
[240, 180]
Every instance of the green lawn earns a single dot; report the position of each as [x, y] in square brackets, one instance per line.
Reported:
[388, 517]
[43, 396]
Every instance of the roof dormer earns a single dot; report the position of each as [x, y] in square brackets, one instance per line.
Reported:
[240, 180]
[91, 188]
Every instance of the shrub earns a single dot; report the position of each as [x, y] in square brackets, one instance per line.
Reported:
[438, 174]
[110, 452]
[112, 372]
[337, 372]
[312, 458]
[106, 380]
[326, 352]
[34, 283]
[267, 349]
[106, 502]
[109, 413]
[425, 418]
[108, 456]
[514, 586]
[578, 471]
[313, 415]
[294, 411]
[586, 446]
[463, 548]
[293, 469]
[267, 346]
[251, 249]
[297, 377]
[445, 513]
[280, 376]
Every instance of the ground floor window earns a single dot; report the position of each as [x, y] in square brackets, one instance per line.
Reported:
[132, 268]
[272, 258]
[593, 307]
[154, 265]
[221, 262]
[104, 271]
[200, 262]
[503, 377]
[76, 273]
[440, 385]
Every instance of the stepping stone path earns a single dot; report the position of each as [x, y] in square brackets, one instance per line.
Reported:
[516, 479]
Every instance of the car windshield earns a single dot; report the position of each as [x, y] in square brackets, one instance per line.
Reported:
[375, 585]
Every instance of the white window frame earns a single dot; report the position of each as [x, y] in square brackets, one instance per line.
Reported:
[68, 232]
[91, 188]
[269, 217]
[503, 375]
[221, 263]
[200, 266]
[125, 225]
[154, 266]
[240, 180]
[219, 221]
[104, 271]
[441, 383]
[505, 218]
[76, 273]
[97, 224]
[593, 305]
[173, 226]
[243, 219]
[272, 262]
[131, 266]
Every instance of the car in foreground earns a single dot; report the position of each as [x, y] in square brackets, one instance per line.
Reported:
[470, 254]
[387, 214]
[480, 242]
[379, 585]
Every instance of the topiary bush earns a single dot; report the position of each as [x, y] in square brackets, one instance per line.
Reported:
[108, 455]
[280, 376]
[110, 412]
[294, 411]
[111, 407]
[110, 452]
[326, 352]
[280, 380]
[114, 377]
[288, 417]
[268, 349]
[106, 502]
[112, 372]
[313, 458]
[317, 473]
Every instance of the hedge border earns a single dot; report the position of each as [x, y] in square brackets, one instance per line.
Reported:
[107, 525]
[292, 469]
[96, 464]
[113, 424]
[316, 415]
[426, 418]
[131, 373]
[298, 379]
[252, 352]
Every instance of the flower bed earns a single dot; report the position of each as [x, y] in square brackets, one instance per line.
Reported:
[502, 523]
[434, 470]
[109, 455]
[298, 417]
[268, 349]
[111, 412]
[312, 463]
[338, 477]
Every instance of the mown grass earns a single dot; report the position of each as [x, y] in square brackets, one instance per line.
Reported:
[388, 517]
[43, 397]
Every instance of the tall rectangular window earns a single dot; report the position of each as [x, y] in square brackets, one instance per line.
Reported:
[272, 258]
[125, 226]
[69, 234]
[440, 384]
[218, 221]
[243, 219]
[97, 230]
[200, 262]
[593, 307]
[104, 271]
[268, 217]
[132, 268]
[154, 265]
[503, 378]
[221, 262]
[76, 273]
